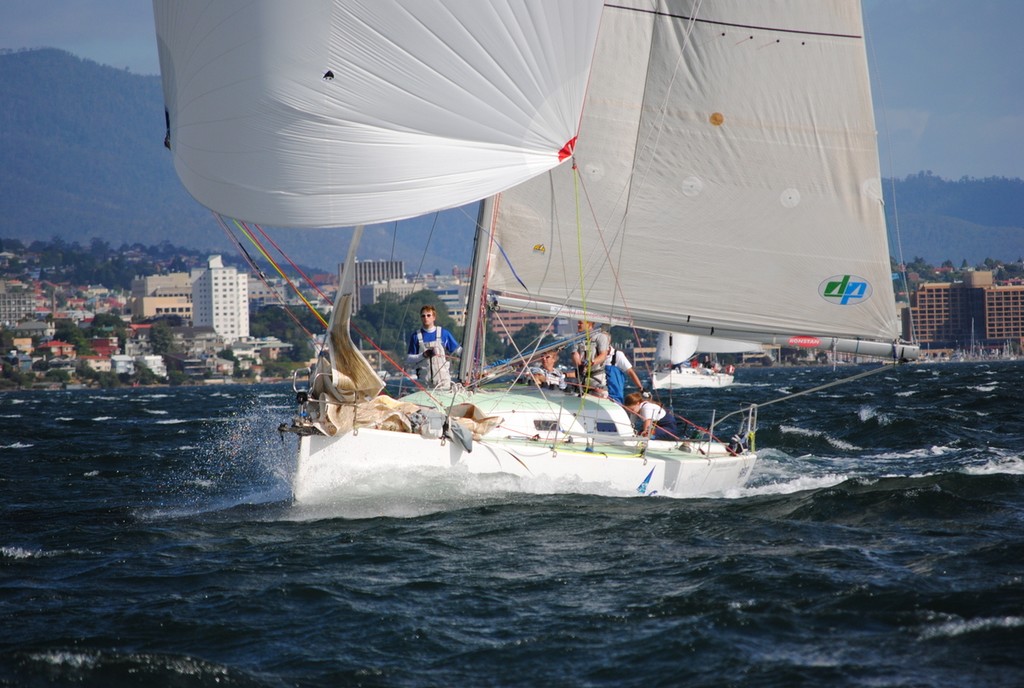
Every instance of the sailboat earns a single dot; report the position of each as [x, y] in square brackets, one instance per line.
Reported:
[677, 367]
[726, 128]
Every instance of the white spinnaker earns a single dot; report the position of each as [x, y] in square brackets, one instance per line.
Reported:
[323, 113]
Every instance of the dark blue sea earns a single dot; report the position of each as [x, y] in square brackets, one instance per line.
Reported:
[147, 538]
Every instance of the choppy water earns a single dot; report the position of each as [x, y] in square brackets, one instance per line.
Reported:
[147, 538]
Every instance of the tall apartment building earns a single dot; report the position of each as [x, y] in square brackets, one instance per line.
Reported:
[16, 303]
[220, 299]
[955, 315]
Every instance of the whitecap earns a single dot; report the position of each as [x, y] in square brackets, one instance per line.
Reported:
[834, 441]
[866, 413]
[171, 421]
[91, 474]
[799, 484]
[958, 626]
[920, 453]
[1011, 465]
[77, 660]
[103, 418]
[17, 445]
[156, 412]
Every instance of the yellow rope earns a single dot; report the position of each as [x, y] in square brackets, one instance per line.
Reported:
[255, 242]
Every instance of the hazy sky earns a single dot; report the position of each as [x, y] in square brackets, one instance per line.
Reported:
[949, 90]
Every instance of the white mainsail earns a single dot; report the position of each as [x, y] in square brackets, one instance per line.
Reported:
[324, 113]
[728, 181]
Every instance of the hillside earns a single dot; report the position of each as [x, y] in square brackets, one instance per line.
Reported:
[83, 158]
[83, 153]
[968, 219]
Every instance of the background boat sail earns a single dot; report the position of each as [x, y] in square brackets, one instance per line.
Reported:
[330, 114]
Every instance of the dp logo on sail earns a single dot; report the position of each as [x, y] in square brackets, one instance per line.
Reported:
[845, 289]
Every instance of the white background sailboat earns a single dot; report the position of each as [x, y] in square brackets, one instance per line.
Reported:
[736, 133]
[676, 365]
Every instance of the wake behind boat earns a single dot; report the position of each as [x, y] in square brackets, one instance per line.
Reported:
[601, 158]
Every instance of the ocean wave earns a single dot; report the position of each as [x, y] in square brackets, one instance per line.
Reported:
[24, 553]
[172, 421]
[921, 453]
[17, 445]
[866, 413]
[958, 626]
[805, 432]
[80, 667]
[156, 412]
[798, 484]
[1011, 465]
[984, 388]
[100, 419]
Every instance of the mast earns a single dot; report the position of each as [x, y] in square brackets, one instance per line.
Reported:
[472, 335]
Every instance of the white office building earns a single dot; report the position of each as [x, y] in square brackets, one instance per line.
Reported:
[220, 299]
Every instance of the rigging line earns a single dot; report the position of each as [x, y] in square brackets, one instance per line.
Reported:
[843, 381]
[419, 268]
[611, 264]
[297, 269]
[511, 267]
[249, 260]
[897, 235]
[583, 293]
[263, 278]
[256, 242]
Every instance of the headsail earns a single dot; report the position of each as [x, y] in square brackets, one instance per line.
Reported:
[728, 180]
[673, 348]
[319, 113]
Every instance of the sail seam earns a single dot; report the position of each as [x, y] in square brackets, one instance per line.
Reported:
[804, 32]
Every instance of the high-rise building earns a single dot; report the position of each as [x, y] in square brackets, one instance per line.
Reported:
[160, 295]
[16, 303]
[959, 314]
[220, 299]
[371, 271]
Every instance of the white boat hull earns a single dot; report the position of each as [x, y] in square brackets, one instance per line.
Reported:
[689, 378]
[581, 458]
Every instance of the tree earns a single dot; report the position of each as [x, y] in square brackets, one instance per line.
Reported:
[68, 331]
[161, 340]
[106, 322]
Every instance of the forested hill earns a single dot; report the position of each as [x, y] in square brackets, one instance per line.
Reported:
[968, 219]
[82, 154]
